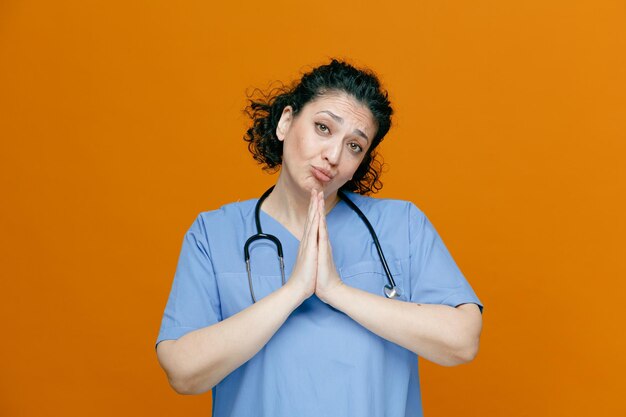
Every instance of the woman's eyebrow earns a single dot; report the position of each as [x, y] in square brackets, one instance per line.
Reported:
[340, 121]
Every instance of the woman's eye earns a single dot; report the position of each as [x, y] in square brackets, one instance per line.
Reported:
[322, 127]
[355, 147]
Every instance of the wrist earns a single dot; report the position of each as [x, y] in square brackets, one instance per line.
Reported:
[297, 292]
[328, 294]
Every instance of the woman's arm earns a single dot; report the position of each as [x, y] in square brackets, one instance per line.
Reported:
[442, 334]
[200, 359]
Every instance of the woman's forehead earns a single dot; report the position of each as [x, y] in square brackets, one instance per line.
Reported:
[343, 106]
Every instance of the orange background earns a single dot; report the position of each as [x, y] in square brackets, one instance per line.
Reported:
[121, 121]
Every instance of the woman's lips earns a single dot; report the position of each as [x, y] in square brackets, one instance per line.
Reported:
[321, 175]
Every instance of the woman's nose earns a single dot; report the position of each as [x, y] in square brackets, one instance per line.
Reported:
[332, 151]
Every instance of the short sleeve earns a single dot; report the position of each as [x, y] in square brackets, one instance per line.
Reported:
[193, 302]
[435, 277]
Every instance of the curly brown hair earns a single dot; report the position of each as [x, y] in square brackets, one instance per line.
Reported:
[265, 109]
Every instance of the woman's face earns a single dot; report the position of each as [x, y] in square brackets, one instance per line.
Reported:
[324, 144]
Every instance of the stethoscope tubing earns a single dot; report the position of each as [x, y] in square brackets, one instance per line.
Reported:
[358, 211]
[390, 290]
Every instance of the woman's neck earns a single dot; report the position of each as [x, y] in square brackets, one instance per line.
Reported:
[290, 205]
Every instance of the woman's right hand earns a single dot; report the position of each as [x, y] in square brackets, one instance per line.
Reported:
[304, 274]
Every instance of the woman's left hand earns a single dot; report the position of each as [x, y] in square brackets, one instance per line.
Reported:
[327, 277]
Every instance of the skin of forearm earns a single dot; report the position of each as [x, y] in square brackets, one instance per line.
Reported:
[439, 333]
[199, 360]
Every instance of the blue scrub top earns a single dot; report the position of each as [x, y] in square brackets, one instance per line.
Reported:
[320, 362]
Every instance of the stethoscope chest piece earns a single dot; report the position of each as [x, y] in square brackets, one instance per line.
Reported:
[392, 292]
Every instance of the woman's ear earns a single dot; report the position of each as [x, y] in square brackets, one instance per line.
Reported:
[283, 124]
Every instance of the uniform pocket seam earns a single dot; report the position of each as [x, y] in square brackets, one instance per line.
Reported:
[370, 267]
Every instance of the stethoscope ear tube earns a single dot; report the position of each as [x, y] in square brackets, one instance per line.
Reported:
[258, 236]
[391, 290]
[246, 256]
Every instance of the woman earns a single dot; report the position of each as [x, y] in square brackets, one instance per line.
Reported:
[338, 338]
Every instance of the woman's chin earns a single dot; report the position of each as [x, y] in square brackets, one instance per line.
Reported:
[312, 183]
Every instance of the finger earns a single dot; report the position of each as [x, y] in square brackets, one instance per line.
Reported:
[310, 215]
[311, 205]
[323, 230]
[313, 229]
[310, 233]
[321, 204]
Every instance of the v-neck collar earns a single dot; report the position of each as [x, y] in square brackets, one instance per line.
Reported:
[267, 216]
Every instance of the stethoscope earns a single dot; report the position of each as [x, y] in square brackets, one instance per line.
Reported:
[390, 290]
